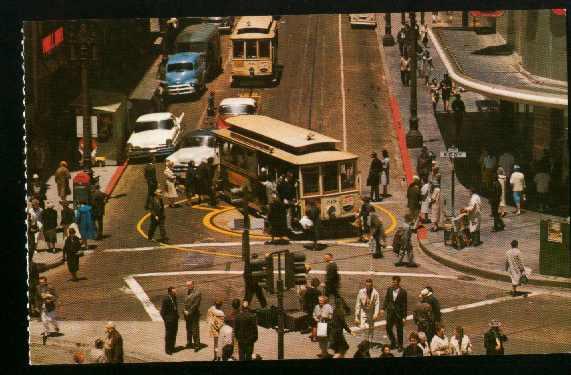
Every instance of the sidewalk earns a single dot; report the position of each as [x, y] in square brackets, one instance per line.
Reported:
[488, 259]
[108, 178]
[144, 342]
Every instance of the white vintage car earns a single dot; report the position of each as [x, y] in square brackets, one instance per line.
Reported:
[364, 19]
[196, 145]
[229, 107]
[154, 134]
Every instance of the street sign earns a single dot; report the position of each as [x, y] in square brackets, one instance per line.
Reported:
[79, 126]
[154, 25]
[452, 155]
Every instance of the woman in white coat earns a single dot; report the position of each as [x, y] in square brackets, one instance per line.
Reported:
[425, 201]
[171, 193]
[514, 266]
[502, 178]
[460, 343]
[436, 209]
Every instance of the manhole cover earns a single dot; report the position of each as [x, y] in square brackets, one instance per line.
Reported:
[466, 278]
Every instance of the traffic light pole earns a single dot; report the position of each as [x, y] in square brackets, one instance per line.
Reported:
[281, 332]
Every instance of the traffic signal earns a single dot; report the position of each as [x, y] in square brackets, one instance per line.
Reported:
[262, 272]
[295, 270]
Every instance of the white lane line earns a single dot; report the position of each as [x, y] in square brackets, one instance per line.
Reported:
[156, 316]
[142, 296]
[228, 244]
[459, 308]
[342, 89]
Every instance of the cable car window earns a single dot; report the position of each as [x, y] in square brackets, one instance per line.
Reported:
[330, 178]
[264, 46]
[251, 49]
[310, 178]
[347, 171]
[238, 49]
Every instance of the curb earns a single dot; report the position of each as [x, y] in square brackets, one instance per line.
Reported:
[487, 274]
[115, 178]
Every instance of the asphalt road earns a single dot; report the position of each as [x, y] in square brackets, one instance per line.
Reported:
[308, 95]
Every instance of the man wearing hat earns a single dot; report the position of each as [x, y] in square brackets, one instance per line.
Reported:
[157, 217]
[494, 339]
[152, 184]
[98, 200]
[113, 344]
[374, 178]
[413, 198]
[474, 213]
[517, 182]
[459, 108]
[427, 296]
[405, 244]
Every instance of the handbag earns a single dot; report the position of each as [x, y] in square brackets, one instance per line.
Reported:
[321, 329]
[524, 279]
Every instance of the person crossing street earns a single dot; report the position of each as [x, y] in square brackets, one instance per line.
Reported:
[367, 308]
[48, 297]
[395, 308]
[157, 217]
[152, 183]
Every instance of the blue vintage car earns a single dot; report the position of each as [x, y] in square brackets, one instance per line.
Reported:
[185, 74]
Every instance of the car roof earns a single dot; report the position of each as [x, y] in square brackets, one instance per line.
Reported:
[183, 57]
[235, 101]
[198, 132]
[197, 33]
[158, 116]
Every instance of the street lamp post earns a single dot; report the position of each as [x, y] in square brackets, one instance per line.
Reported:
[413, 137]
[388, 39]
[83, 50]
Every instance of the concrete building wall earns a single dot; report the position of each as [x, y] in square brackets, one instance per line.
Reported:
[540, 38]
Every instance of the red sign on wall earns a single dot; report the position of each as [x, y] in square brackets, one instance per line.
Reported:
[559, 11]
[52, 40]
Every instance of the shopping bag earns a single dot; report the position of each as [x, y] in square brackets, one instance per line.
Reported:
[321, 329]
[306, 223]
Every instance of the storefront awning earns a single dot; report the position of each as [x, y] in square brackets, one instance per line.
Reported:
[487, 13]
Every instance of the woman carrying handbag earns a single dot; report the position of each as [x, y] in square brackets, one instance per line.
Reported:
[322, 315]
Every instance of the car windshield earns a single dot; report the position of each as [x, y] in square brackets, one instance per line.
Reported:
[196, 141]
[152, 125]
[180, 67]
[237, 109]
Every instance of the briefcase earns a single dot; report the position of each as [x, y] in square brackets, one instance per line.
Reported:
[296, 320]
[267, 318]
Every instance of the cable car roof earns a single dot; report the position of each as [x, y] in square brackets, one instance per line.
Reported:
[279, 131]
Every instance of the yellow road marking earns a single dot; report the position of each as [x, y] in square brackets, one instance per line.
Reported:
[208, 222]
[391, 216]
[164, 245]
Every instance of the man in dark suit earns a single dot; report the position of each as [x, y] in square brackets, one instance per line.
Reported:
[169, 312]
[152, 184]
[157, 217]
[395, 306]
[246, 332]
[333, 281]
[192, 316]
[98, 200]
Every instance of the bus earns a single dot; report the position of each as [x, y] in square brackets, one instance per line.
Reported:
[254, 48]
[203, 38]
[254, 146]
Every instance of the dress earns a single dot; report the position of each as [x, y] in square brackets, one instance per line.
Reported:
[385, 171]
[425, 204]
[215, 319]
[84, 220]
[436, 208]
[170, 183]
[514, 265]
[502, 180]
